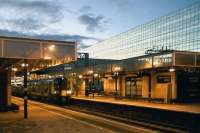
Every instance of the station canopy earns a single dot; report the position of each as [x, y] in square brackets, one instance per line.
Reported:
[37, 53]
[158, 61]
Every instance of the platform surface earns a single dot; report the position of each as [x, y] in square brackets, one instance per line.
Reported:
[181, 107]
[48, 118]
[42, 121]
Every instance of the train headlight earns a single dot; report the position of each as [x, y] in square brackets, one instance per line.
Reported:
[69, 92]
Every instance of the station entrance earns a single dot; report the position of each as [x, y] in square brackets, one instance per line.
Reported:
[133, 87]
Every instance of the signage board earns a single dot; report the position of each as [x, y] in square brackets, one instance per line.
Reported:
[163, 79]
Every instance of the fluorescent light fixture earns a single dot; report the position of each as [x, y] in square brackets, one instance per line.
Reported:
[172, 69]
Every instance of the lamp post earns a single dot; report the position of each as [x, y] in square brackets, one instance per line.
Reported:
[74, 82]
[116, 73]
[93, 88]
[116, 78]
[25, 66]
[91, 72]
[95, 76]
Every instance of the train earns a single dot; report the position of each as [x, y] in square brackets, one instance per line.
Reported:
[51, 90]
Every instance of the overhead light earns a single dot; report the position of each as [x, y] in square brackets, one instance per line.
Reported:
[172, 69]
[24, 65]
[117, 69]
[47, 57]
[52, 47]
[80, 76]
[90, 72]
[14, 69]
[95, 75]
[69, 92]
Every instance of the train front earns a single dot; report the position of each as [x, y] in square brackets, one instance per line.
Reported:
[63, 92]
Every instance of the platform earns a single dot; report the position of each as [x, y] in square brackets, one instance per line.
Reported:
[182, 107]
[42, 120]
[180, 116]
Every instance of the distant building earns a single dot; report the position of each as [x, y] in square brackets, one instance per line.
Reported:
[179, 30]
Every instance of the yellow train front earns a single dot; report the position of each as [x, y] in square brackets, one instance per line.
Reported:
[51, 90]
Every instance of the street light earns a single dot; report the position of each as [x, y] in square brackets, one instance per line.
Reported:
[91, 72]
[116, 73]
[25, 66]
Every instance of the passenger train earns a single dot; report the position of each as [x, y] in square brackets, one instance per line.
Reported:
[54, 89]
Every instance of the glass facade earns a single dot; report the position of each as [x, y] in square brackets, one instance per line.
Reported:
[179, 30]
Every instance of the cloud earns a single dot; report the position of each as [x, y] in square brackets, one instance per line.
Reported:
[122, 5]
[83, 41]
[93, 22]
[35, 18]
[45, 7]
[25, 24]
[28, 15]
[85, 8]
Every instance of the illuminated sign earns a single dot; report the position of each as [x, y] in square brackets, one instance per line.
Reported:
[162, 60]
[163, 79]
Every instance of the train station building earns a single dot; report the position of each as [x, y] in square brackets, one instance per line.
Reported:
[166, 76]
[156, 60]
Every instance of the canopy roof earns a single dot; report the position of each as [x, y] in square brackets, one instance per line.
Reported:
[38, 53]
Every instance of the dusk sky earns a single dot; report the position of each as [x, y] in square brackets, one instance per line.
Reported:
[87, 21]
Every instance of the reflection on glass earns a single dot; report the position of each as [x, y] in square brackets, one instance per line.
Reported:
[179, 30]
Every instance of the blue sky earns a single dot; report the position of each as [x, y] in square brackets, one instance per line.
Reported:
[87, 21]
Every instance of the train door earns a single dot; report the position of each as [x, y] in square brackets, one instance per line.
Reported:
[3, 88]
[188, 87]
